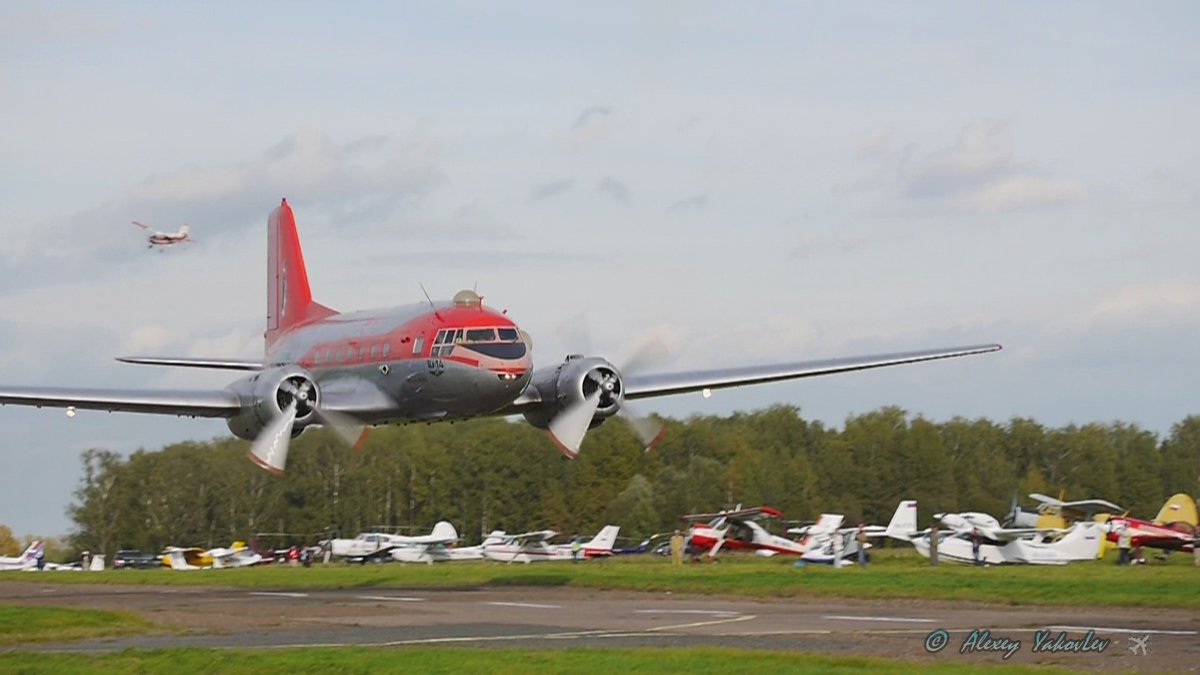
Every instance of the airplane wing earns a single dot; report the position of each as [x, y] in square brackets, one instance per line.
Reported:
[1091, 506]
[756, 513]
[189, 362]
[190, 403]
[1010, 533]
[524, 537]
[664, 384]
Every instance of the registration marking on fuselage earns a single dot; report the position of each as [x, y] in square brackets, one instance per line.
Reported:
[529, 605]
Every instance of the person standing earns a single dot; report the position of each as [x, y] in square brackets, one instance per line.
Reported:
[976, 545]
[576, 548]
[933, 546]
[677, 548]
[837, 550]
[1124, 539]
[860, 538]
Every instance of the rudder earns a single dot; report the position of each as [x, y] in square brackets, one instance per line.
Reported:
[289, 298]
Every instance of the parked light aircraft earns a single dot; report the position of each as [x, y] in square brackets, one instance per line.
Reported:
[379, 545]
[421, 363]
[195, 558]
[447, 553]
[1173, 529]
[998, 544]
[818, 539]
[164, 239]
[1056, 513]
[26, 561]
[528, 547]
[738, 530]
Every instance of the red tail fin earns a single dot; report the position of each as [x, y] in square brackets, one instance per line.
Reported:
[289, 299]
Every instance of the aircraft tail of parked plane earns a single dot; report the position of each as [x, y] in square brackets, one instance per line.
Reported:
[903, 525]
[27, 559]
[603, 541]
[1180, 508]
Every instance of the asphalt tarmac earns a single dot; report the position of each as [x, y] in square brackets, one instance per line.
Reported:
[557, 618]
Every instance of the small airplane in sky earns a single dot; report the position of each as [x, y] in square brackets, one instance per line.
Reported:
[1173, 529]
[164, 239]
[26, 561]
[528, 547]
[419, 363]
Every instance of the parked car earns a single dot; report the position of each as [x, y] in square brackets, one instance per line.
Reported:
[135, 560]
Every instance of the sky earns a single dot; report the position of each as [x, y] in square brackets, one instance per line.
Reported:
[748, 184]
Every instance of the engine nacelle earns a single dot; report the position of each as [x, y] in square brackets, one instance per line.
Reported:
[265, 394]
[573, 381]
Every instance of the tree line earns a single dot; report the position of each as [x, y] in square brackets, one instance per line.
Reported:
[494, 474]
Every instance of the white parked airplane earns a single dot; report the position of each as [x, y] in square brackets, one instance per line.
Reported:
[380, 546]
[530, 547]
[998, 545]
[818, 539]
[445, 553]
[26, 561]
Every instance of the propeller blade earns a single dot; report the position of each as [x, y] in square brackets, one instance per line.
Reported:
[270, 449]
[649, 430]
[139, 224]
[648, 355]
[349, 430]
[568, 428]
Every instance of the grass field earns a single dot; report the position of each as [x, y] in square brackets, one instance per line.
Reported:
[372, 660]
[900, 574]
[19, 625]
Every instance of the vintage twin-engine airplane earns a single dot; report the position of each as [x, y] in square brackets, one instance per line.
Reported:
[163, 239]
[420, 363]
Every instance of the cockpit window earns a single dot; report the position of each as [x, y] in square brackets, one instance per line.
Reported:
[480, 335]
[508, 334]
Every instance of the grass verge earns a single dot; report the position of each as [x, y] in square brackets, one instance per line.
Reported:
[19, 625]
[456, 661]
[1173, 584]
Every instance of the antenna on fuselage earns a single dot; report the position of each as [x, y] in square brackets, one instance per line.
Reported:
[435, 309]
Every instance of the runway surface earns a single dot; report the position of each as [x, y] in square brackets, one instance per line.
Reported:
[555, 618]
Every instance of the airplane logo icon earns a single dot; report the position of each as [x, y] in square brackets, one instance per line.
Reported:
[1141, 644]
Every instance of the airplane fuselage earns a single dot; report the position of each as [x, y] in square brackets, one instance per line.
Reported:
[457, 361]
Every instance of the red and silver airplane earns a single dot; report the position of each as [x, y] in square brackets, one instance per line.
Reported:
[737, 530]
[419, 363]
[1173, 529]
[158, 238]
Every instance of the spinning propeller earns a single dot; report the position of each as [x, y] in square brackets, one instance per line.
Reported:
[602, 386]
[270, 449]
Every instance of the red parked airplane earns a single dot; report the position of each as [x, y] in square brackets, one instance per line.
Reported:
[419, 363]
[1173, 529]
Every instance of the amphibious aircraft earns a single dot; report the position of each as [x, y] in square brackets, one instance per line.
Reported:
[998, 545]
[528, 547]
[26, 561]
[420, 363]
[163, 239]
[1173, 529]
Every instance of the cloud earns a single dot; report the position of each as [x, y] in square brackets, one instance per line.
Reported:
[978, 172]
[614, 188]
[363, 182]
[551, 189]
[690, 204]
[590, 127]
[1154, 303]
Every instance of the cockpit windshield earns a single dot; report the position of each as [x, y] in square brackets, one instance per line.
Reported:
[501, 342]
